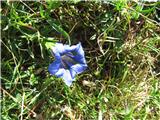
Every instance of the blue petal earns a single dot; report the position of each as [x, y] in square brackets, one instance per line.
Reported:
[70, 48]
[78, 68]
[60, 72]
[56, 53]
[79, 57]
[65, 75]
[54, 67]
[59, 48]
[79, 50]
[67, 78]
[73, 73]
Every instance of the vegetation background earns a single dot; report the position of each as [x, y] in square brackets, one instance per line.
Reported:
[121, 40]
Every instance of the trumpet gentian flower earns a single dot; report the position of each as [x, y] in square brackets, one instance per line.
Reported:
[69, 61]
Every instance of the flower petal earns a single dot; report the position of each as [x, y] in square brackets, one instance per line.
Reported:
[59, 48]
[56, 53]
[79, 50]
[54, 67]
[70, 48]
[78, 68]
[60, 72]
[73, 73]
[67, 77]
[79, 57]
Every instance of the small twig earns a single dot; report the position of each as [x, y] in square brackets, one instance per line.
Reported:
[40, 103]
[22, 106]
[27, 6]
[73, 27]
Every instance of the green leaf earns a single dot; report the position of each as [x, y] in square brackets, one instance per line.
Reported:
[49, 42]
[41, 11]
[53, 4]
[59, 29]
[49, 45]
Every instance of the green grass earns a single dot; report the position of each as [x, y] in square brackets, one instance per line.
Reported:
[121, 40]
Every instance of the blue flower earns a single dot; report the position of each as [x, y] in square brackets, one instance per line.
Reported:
[69, 61]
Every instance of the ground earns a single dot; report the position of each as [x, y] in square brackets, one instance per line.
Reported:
[121, 41]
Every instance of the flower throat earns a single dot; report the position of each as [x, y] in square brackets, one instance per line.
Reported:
[67, 60]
